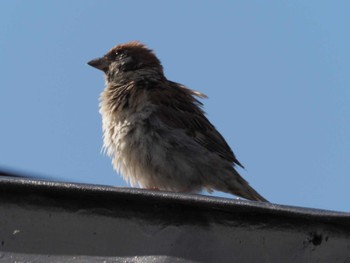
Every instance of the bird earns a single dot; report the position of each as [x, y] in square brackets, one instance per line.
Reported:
[156, 131]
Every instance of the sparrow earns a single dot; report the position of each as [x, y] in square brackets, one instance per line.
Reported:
[156, 131]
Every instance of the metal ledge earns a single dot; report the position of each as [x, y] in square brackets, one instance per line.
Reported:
[46, 221]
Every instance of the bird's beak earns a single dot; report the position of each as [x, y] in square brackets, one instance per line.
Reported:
[100, 63]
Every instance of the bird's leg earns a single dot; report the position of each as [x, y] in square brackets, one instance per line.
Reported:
[153, 188]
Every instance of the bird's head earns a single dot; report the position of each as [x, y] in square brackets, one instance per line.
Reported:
[128, 57]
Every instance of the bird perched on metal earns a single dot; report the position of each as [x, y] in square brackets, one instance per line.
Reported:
[156, 132]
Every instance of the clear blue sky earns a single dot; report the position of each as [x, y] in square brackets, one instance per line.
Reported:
[276, 73]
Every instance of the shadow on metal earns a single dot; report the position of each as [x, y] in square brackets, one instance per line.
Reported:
[42, 221]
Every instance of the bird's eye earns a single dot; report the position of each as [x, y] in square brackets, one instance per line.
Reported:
[114, 55]
[118, 54]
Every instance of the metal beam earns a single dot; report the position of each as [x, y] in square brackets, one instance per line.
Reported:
[46, 221]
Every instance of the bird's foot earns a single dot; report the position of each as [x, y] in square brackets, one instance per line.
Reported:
[153, 188]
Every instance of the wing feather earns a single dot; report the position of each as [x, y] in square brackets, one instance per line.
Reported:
[179, 109]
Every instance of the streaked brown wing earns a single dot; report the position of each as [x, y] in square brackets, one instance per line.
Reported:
[178, 108]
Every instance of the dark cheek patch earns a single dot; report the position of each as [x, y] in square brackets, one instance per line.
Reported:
[128, 64]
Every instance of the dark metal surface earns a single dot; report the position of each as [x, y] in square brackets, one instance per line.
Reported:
[43, 221]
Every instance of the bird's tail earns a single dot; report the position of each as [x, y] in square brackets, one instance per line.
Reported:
[236, 185]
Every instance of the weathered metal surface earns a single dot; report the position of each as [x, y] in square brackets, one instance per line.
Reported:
[43, 221]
